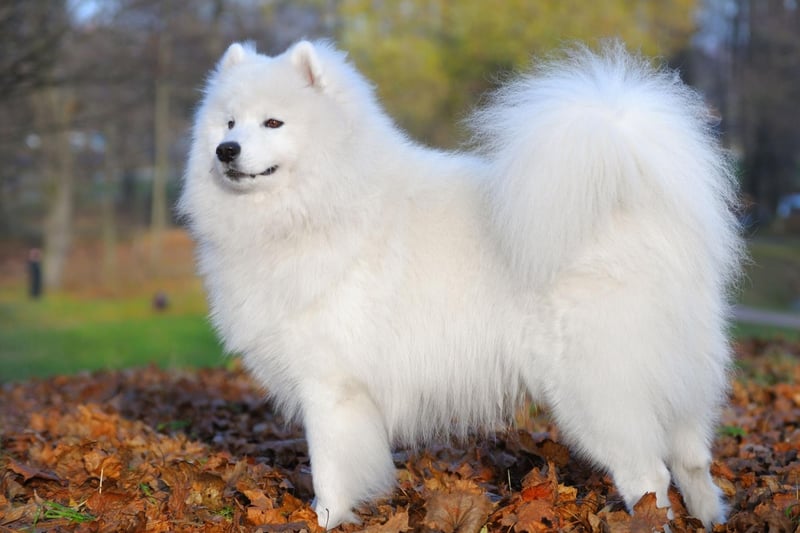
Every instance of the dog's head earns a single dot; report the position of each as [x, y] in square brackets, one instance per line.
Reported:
[289, 132]
[258, 115]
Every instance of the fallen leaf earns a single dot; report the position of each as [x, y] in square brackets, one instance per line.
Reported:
[100, 464]
[396, 524]
[29, 472]
[535, 515]
[27, 512]
[459, 510]
[542, 491]
[647, 516]
[243, 468]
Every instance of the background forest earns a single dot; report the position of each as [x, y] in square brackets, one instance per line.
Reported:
[97, 97]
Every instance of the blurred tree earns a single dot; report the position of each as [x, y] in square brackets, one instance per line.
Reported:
[55, 110]
[29, 32]
[112, 175]
[161, 136]
[747, 60]
[432, 59]
[767, 75]
[34, 87]
[82, 85]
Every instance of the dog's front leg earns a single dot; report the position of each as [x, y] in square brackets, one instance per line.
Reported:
[351, 460]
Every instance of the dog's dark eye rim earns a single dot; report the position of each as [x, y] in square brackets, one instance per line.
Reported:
[231, 124]
[273, 123]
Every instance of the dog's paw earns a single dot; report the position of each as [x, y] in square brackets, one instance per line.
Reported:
[330, 516]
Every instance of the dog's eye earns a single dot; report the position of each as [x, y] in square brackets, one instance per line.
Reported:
[273, 123]
[231, 124]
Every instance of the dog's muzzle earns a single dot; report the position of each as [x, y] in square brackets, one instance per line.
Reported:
[227, 153]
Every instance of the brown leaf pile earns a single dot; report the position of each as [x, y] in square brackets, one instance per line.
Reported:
[147, 450]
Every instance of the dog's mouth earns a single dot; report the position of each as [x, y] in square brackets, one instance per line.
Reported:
[237, 175]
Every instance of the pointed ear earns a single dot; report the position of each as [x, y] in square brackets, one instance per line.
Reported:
[233, 55]
[306, 60]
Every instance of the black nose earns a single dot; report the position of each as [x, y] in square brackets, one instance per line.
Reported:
[227, 152]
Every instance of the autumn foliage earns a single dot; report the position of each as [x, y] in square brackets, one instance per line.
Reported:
[147, 450]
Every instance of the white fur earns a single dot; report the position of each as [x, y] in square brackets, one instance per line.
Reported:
[385, 292]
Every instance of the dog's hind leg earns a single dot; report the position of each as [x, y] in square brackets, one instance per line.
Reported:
[351, 460]
[690, 459]
[621, 439]
[609, 386]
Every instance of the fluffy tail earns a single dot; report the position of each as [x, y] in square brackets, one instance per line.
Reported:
[589, 135]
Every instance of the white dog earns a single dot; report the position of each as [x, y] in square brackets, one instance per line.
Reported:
[385, 292]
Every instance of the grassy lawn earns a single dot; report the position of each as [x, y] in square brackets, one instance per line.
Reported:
[772, 277]
[746, 331]
[63, 334]
[67, 333]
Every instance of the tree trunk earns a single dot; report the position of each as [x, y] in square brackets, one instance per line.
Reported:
[111, 177]
[159, 211]
[56, 107]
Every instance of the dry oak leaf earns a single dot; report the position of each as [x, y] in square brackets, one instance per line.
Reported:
[26, 512]
[462, 507]
[539, 491]
[94, 423]
[208, 490]
[539, 486]
[100, 464]
[29, 472]
[616, 522]
[261, 517]
[535, 509]
[647, 516]
[258, 499]
[568, 508]
[546, 448]
[117, 510]
[286, 511]
[535, 515]
[396, 524]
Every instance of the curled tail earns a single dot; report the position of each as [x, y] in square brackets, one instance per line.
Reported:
[581, 138]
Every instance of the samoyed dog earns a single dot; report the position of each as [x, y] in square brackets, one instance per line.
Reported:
[581, 254]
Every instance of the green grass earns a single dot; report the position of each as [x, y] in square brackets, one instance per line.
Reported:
[63, 334]
[772, 277]
[732, 431]
[56, 511]
[745, 331]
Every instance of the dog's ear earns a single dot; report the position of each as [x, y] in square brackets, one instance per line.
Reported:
[305, 58]
[233, 55]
